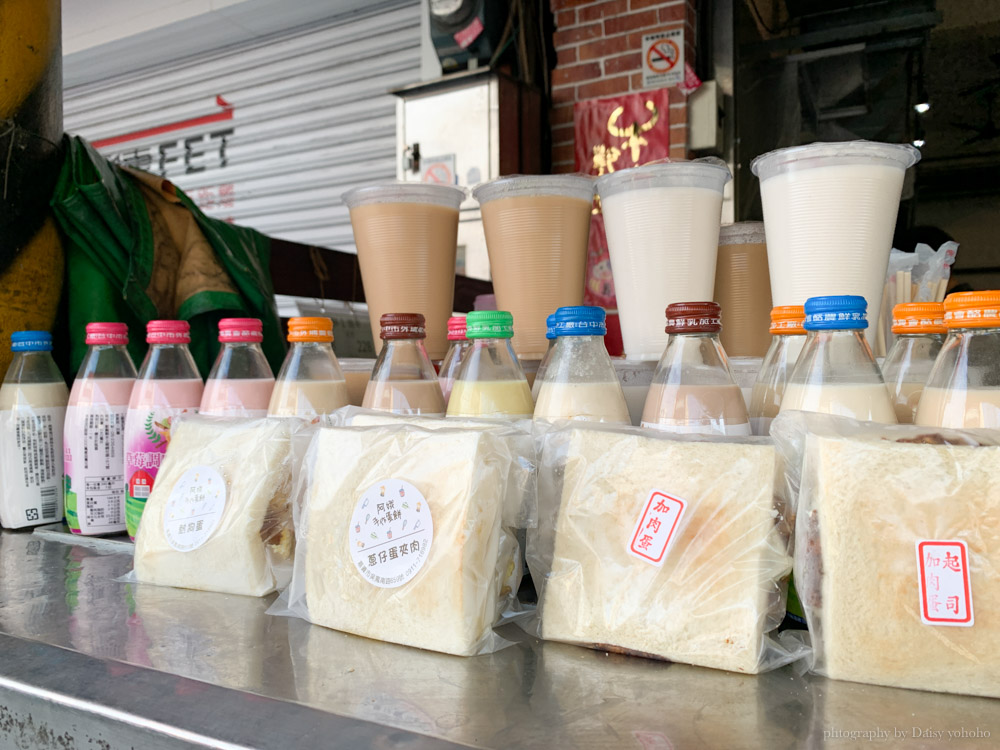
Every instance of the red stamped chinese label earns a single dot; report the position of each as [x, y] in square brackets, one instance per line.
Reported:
[945, 583]
[656, 526]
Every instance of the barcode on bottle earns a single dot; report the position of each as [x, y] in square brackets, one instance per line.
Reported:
[48, 495]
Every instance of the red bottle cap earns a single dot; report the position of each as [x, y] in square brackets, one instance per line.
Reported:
[241, 331]
[106, 334]
[168, 332]
[402, 326]
[694, 317]
[456, 328]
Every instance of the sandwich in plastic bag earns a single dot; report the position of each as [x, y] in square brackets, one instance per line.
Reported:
[401, 537]
[897, 556]
[219, 516]
[663, 546]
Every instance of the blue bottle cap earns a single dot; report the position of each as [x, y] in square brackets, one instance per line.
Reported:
[550, 326]
[31, 341]
[840, 312]
[581, 320]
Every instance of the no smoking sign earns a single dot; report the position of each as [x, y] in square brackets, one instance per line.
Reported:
[663, 59]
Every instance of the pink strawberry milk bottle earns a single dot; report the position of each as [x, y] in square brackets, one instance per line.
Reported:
[94, 433]
[169, 385]
[241, 381]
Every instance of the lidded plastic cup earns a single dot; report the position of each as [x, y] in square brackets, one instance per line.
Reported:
[458, 346]
[662, 222]
[963, 388]
[743, 288]
[240, 383]
[310, 382]
[829, 214]
[788, 336]
[106, 334]
[693, 390]
[403, 380]
[537, 231]
[836, 372]
[406, 235]
[919, 329]
[490, 382]
[581, 382]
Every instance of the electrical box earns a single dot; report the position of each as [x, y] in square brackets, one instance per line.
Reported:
[705, 114]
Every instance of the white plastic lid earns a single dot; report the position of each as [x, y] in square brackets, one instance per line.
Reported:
[900, 155]
[710, 173]
[520, 185]
[450, 196]
[742, 233]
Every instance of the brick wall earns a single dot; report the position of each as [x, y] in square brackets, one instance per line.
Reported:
[598, 45]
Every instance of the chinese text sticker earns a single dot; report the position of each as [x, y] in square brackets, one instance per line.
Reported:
[945, 583]
[391, 533]
[194, 508]
[655, 529]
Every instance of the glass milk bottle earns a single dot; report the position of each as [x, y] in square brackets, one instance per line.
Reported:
[919, 330]
[963, 388]
[836, 372]
[457, 349]
[550, 334]
[168, 385]
[311, 382]
[491, 382]
[403, 380]
[581, 383]
[32, 409]
[241, 382]
[787, 339]
[693, 390]
[94, 434]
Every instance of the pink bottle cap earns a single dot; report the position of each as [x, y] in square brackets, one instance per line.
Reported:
[456, 328]
[106, 334]
[241, 331]
[168, 332]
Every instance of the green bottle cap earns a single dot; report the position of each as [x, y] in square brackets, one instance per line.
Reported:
[489, 324]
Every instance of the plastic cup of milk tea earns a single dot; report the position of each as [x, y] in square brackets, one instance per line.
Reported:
[407, 235]
[537, 228]
[829, 214]
[662, 223]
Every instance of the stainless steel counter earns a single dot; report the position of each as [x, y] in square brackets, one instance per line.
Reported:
[86, 662]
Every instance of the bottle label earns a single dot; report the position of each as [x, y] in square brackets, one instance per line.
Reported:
[391, 533]
[94, 464]
[656, 528]
[31, 466]
[194, 509]
[147, 434]
[945, 583]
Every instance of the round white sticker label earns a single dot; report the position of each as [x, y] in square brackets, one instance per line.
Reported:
[391, 533]
[194, 508]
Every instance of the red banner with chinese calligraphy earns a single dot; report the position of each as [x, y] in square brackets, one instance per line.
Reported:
[612, 134]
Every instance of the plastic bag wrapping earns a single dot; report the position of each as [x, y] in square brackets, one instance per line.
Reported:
[401, 537]
[219, 516]
[868, 496]
[611, 575]
[520, 510]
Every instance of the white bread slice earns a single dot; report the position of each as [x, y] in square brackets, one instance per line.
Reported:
[255, 532]
[452, 602]
[719, 589]
[873, 500]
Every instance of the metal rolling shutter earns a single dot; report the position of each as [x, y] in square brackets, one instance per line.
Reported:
[268, 134]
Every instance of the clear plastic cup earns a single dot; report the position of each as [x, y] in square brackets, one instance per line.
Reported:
[662, 224]
[829, 214]
[406, 233]
[537, 227]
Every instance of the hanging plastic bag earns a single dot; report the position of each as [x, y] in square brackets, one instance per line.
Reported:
[897, 550]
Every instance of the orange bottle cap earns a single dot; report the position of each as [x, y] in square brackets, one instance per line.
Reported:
[788, 320]
[972, 310]
[317, 330]
[918, 317]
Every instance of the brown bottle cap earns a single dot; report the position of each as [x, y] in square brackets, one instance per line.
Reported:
[694, 317]
[402, 326]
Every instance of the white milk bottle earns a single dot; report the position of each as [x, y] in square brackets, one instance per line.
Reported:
[94, 434]
[580, 382]
[310, 383]
[32, 409]
[836, 372]
[240, 382]
[168, 386]
[963, 388]
[788, 338]
[919, 330]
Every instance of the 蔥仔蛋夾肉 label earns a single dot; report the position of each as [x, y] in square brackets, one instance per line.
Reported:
[655, 531]
[945, 583]
[391, 533]
[194, 509]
